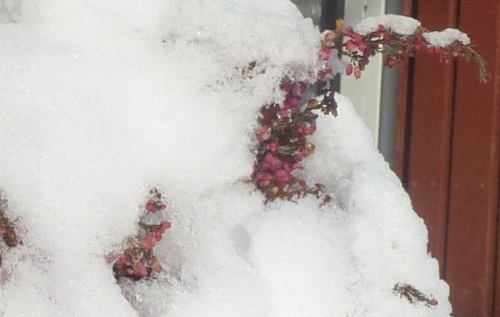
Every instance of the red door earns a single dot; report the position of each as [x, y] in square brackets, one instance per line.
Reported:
[448, 153]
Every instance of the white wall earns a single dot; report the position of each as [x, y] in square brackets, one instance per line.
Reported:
[366, 91]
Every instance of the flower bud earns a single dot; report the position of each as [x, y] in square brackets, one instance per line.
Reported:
[349, 69]
[151, 207]
[357, 72]
[313, 104]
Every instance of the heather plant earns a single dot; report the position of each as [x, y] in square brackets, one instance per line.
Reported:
[138, 260]
[283, 128]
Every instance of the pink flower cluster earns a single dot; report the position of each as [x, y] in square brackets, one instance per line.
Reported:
[282, 134]
[393, 46]
[138, 260]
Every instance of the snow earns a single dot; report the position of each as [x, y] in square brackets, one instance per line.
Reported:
[400, 24]
[446, 37]
[407, 26]
[100, 100]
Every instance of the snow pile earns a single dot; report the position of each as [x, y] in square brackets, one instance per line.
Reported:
[397, 23]
[99, 101]
[446, 37]
[407, 26]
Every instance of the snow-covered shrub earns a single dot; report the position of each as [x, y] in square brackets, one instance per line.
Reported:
[99, 100]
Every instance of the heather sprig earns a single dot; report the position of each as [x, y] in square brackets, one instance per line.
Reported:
[394, 47]
[138, 260]
[283, 143]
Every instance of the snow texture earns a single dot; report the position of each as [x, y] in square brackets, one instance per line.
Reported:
[398, 23]
[446, 37]
[102, 99]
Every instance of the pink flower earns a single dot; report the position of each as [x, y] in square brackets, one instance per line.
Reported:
[273, 146]
[292, 103]
[350, 46]
[165, 225]
[263, 179]
[357, 72]
[271, 162]
[325, 53]
[122, 260]
[284, 113]
[151, 207]
[140, 270]
[301, 128]
[304, 129]
[158, 235]
[357, 38]
[148, 242]
[328, 37]
[362, 46]
[419, 43]
[283, 176]
[269, 113]
[302, 86]
[288, 167]
[363, 62]
[288, 87]
[263, 133]
[348, 69]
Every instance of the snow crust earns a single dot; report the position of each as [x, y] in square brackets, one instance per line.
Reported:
[100, 100]
[446, 37]
[398, 23]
